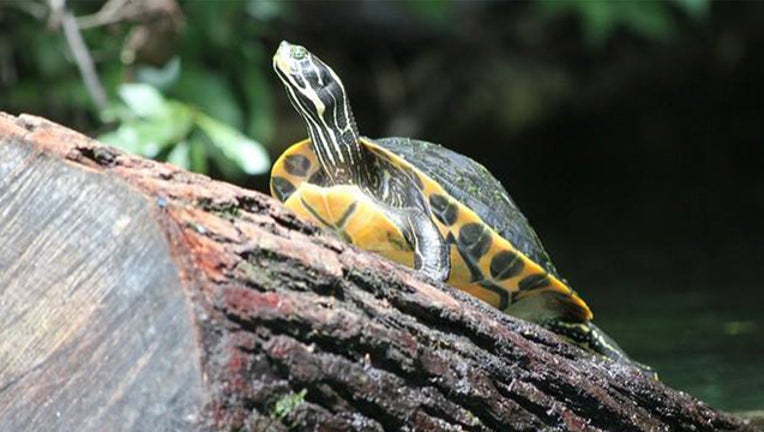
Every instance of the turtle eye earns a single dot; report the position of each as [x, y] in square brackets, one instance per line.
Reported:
[297, 52]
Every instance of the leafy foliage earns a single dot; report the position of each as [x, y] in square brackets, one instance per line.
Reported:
[600, 19]
[208, 100]
[152, 125]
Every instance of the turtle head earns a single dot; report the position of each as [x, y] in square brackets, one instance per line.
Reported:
[317, 93]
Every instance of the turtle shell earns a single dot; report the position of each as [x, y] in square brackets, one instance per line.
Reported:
[474, 186]
[495, 254]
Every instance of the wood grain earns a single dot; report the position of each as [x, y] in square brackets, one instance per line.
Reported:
[94, 321]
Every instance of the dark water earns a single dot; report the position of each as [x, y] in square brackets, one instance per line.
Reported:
[710, 350]
[670, 308]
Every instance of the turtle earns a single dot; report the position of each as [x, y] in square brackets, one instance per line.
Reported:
[421, 205]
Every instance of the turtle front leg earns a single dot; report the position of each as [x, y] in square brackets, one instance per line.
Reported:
[430, 249]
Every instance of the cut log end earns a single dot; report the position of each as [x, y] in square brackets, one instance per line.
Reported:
[137, 296]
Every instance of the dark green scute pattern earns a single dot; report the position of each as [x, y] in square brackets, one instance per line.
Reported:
[296, 164]
[505, 265]
[445, 211]
[282, 188]
[472, 185]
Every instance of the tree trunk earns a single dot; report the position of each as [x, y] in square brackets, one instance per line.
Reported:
[137, 296]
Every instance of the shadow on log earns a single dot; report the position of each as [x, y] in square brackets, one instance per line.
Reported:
[137, 296]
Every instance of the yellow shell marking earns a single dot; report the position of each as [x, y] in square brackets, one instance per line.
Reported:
[354, 217]
[361, 221]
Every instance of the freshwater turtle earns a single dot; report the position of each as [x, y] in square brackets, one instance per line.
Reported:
[421, 205]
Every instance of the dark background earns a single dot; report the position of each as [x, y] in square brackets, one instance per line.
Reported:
[630, 133]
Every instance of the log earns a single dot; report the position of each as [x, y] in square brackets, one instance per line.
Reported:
[137, 296]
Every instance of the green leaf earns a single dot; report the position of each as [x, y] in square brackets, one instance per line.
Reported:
[651, 19]
[160, 77]
[180, 155]
[198, 153]
[143, 99]
[600, 19]
[179, 118]
[116, 112]
[695, 8]
[149, 136]
[248, 154]
[124, 137]
[146, 138]
[266, 10]
[209, 92]
[436, 12]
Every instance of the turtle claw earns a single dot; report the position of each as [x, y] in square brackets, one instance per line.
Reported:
[588, 336]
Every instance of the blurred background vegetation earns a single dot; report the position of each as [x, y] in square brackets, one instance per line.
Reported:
[630, 132]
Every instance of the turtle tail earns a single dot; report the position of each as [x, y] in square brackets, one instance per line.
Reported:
[590, 337]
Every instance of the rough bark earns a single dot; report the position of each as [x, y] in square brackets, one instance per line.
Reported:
[137, 296]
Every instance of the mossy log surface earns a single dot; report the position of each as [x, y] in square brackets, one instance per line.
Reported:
[137, 296]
